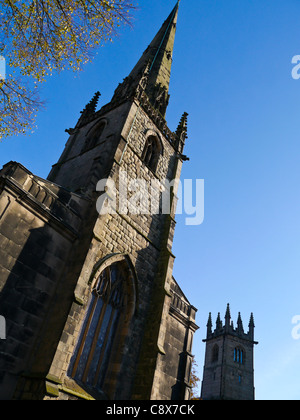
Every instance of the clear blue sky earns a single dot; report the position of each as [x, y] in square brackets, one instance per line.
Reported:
[232, 73]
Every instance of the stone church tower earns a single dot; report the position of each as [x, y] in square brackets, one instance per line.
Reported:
[228, 369]
[91, 307]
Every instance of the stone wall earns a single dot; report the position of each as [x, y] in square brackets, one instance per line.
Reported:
[51, 241]
[223, 376]
[147, 240]
[37, 230]
[238, 377]
[174, 367]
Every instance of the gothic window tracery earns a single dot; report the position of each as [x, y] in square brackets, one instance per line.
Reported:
[94, 135]
[151, 152]
[108, 312]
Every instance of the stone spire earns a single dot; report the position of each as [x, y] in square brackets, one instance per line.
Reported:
[159, 56]
[153, 71]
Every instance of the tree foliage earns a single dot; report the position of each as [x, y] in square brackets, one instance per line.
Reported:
[39, 37]
[194, 381]
[18, 105]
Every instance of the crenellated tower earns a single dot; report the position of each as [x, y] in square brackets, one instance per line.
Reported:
[229, 364]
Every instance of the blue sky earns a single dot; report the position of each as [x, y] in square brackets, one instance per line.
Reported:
[232, 74]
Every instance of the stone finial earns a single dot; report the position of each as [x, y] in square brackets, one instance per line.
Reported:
[209, 325]
[219, 324]
[240, 327]
[227, 316]
[90, 109]
[181, 131]
[251, 327]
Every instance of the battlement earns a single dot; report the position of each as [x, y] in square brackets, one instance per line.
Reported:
[229, 328]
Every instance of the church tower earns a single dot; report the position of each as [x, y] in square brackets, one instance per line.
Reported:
[133, 120]
[229, 362]
[92, 308]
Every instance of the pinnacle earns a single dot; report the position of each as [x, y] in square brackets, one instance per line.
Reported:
[228, 315]
[229, 328]
[251, 322]
[181, 131]
[209, 322]
[240, 323]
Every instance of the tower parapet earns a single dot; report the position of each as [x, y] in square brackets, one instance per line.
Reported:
[229, 327]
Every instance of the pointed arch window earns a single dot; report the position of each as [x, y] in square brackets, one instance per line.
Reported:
[215, 354]
[93, 136]
[151, 152]
[109, 312]
[239, 355]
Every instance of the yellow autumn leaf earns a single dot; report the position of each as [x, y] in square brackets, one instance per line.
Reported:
[40, 37]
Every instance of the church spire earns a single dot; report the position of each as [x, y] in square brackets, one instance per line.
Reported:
[153, 71]
[159, 55]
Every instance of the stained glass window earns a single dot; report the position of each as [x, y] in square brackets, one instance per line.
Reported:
[93, 350]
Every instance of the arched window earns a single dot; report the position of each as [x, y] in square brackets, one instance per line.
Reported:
[215, 354]
[94, 136]
[239, 355]
[109, 312]
[151, 152]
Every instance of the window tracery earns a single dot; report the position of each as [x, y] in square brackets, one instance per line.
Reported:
[109, 309]
[94, 135]
[151, 152]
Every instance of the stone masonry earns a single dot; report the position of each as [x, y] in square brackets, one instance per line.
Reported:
[229, 360]
[54, 244]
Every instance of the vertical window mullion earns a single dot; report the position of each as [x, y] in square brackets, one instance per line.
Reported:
[89, 321]
[104, 346]
[94, 343]
[104, 318]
